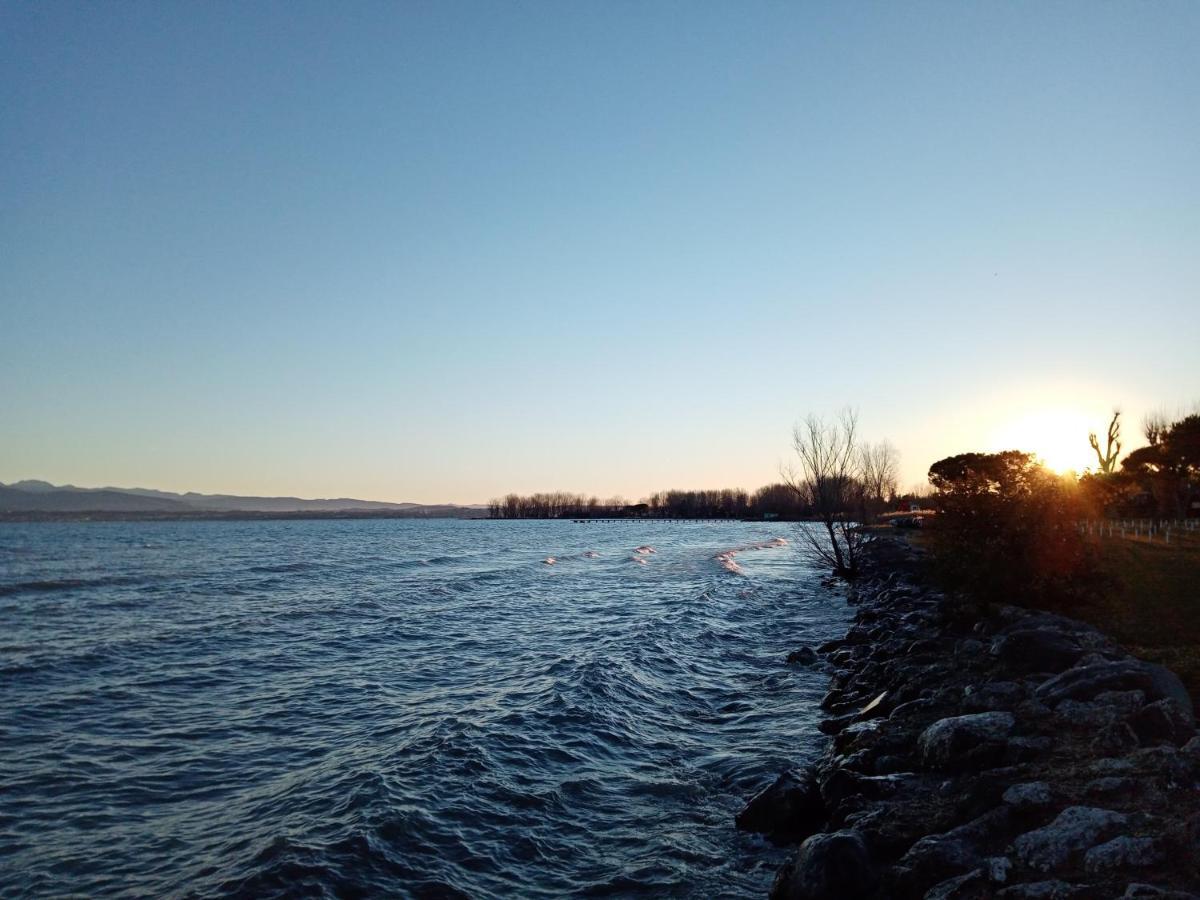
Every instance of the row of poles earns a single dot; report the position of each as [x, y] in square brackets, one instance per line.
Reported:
[1148, 528]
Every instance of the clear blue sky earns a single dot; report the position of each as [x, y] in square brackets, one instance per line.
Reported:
[437, 251]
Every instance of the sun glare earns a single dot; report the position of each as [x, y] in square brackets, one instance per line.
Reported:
[1059, 437]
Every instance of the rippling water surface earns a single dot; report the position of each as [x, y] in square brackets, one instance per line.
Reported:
[385, 707]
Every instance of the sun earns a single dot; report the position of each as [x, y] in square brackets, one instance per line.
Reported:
[1058, 436]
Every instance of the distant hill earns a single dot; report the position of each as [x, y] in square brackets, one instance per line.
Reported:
[15, 499]
[33, 496]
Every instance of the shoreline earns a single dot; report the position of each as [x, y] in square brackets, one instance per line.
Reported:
[1021, 755]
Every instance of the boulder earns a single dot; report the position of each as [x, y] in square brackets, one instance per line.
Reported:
[1113, 765]
[787, 811]
[851, 736]
[1163, 722]
[1087, 715]
[1168, 764]
[1040, 890]
[1087, 681]
[834, 724]
[997, 868]
[948, 742]
[968, 647]
[842, 783]
[1024, 749]
[1148, 891]
[805, 656]
[1117, 738]
[1076, 828]
[935, 858]
[890, 764]
[833, 866]
[1109, 786]
[974, 885]
[1128, 702]
[1123, 852]
[1028, 650]
[992, 696]
[1030, 795]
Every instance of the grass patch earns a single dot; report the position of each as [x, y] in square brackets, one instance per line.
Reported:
[1153, 607]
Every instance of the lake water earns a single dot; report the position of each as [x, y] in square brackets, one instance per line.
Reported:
[399, 708]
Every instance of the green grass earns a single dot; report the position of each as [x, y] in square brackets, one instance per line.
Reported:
[1153, 606]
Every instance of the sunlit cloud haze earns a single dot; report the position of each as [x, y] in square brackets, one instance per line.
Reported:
[440, 252]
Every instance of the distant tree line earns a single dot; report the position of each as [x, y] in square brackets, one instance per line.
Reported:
[555, 505]
[773, 501]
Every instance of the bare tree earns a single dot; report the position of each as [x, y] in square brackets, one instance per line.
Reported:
[1112, 445]
[1155, 426]
[829, 480]
[879, 466]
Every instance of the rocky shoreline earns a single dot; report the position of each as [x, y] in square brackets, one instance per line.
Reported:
[1019, 756]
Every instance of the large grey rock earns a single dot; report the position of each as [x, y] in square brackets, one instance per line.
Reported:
[1109, 786]
[1171, 765]
[1028, 650]
[832, 866]
[1123, 852]
[947, 741]
[996, 868]
[992, 696]
[1040, 890]
[936, 857]
[1127, 702]
[805, 656]
[1030, 795]
[1087, 681]
[1088, 715]
[973, 885]
[1076, 828]
[788, 810]
[842, 783]
[1163, 722]
[1148, 891]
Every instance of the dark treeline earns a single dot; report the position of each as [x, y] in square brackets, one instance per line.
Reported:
[773, 501]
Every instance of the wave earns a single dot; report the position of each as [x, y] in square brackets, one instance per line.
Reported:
[586, 554]
[50, 585]
[283, 568]
[640, 554]
[727, 559]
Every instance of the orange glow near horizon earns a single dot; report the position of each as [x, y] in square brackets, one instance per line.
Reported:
[1058, 436]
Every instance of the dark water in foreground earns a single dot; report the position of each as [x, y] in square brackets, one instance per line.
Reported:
[425, 709]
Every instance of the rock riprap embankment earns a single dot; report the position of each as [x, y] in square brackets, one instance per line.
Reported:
[1018, 756]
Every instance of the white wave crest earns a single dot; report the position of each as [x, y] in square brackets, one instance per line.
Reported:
[726, 558]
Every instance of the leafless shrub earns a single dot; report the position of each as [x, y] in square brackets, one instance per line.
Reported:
[831, 476]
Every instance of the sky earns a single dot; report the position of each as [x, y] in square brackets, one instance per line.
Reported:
[439, 251]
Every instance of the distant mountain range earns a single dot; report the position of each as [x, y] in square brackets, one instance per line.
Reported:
[41, 497]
